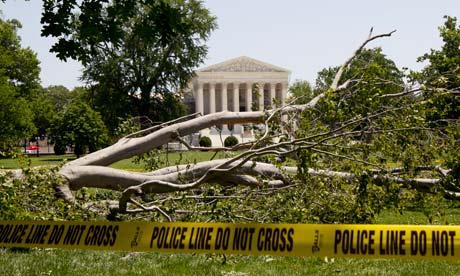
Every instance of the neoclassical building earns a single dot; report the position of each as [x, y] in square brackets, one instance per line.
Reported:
[239, 84]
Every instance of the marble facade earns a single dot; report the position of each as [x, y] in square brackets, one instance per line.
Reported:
[239, 84]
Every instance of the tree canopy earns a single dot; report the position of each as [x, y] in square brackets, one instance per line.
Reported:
[53, 100]
[131, 50]
[80, 127]
[367, 79]
[19, 65]
[440, 86]
[440, 79]
[301, 91]
[19, 81]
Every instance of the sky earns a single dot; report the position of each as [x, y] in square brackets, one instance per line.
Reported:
[299, 35]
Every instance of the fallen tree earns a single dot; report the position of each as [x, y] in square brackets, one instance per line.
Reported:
[286, 153]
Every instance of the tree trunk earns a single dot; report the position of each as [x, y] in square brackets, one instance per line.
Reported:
[144, 105]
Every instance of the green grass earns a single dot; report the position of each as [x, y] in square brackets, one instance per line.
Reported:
[450, 217]
[82, 262]
[172, 158]
[43, 160]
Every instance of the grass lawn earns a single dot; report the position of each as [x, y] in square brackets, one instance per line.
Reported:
[84, 262]
[43, 160]
[172, 158]
[80, 262]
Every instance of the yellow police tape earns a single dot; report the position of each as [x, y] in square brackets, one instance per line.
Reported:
[332, 240]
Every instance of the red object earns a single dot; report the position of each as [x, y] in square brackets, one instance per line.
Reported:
[33, 148]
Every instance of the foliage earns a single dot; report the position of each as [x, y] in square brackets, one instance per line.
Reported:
[452, 154]
[316, 200]
[362, 108]
[43, 112]
[58, 95]
[231, 141]
[442, 74]
[101, 22]
[127, 127]
[361, 128]
[19, 65]
[59, 149]
[301, 91]
[80, 127]
[371, 75]
[440, 81]
[51, 100]
[301, 204]
[18, 82]
[32, 198]
[16, 119]
[135, 53]
[167, 107]
[205, 141]
[151, 160]
[112, 101]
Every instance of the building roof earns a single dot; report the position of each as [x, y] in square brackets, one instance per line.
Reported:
[243, 64]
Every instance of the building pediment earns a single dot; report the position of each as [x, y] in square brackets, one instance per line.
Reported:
[243, 64]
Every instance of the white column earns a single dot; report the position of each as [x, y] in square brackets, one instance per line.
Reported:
[212, 97]
[283, 98]
[248, 96]
[223, 103]
[223, 97]
[283, 92]
[199, 99]
[261, 96]
[236, 97]
[272, 94]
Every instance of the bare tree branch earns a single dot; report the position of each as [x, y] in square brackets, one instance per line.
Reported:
[337, 77]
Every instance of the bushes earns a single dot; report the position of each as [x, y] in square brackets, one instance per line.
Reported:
[59, 149]
[231, 141]
[205, 141]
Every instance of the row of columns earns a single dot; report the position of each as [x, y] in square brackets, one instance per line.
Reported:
[199, 99]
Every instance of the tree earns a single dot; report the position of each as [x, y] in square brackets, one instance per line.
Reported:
[440, 79]
[330, 182]
[370, 75]
[20, 65]
[16, 119]
[43, 113]
[51, 100]
[18, 83]
[316, 152]
[131, 50]
[301, 91]
[110, 98]
[58, 95]
[440, 85]
[80, 127]
[367, 82]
